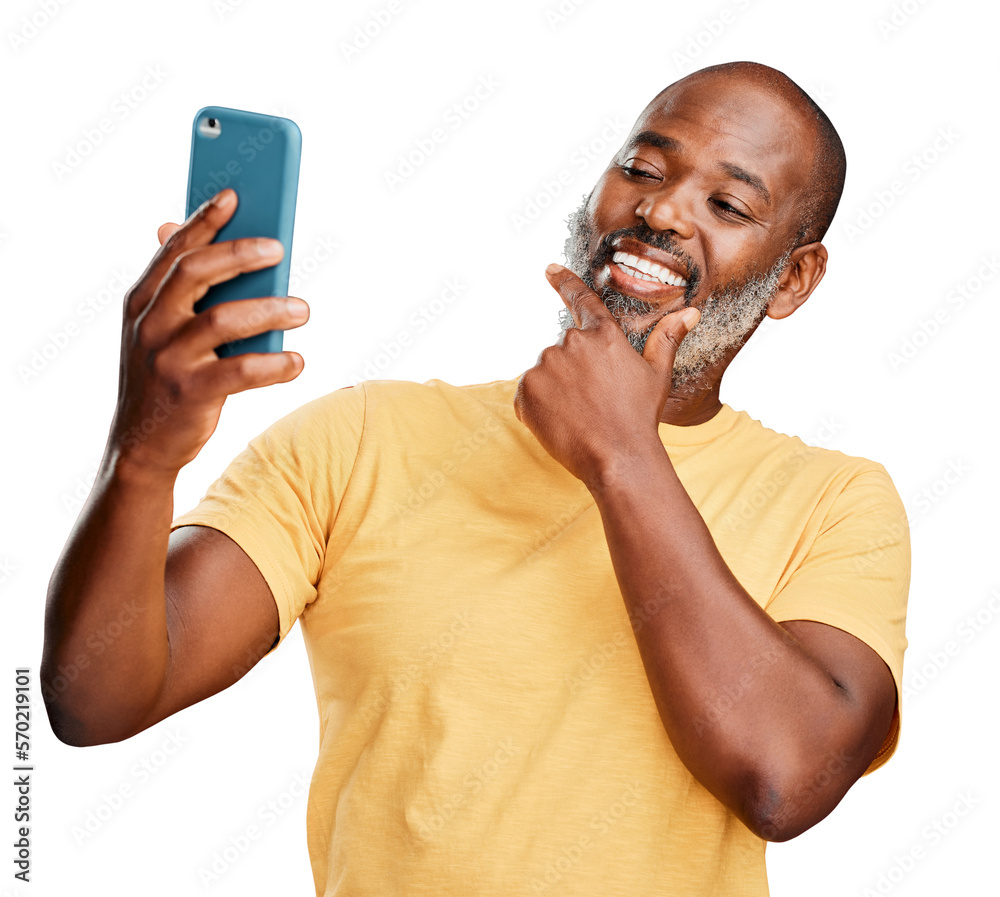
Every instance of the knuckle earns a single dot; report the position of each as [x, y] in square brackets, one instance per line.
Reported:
[608, 331]
[215, 318]
[133, 301]
[244, 250]
[176, 241]
[184, 265]
[162, 365]
[171, 376]
[245, 369]
[145, 333]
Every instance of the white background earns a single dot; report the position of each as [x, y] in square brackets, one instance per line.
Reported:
[898, 80]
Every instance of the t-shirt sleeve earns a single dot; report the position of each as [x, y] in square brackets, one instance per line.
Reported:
[279, 497]
[856, 576]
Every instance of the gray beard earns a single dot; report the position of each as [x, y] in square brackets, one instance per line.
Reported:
[728, 315]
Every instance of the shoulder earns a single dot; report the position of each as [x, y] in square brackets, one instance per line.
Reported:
[808, 459]
[401, 404]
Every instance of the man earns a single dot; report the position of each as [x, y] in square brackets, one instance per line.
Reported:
[585, 631]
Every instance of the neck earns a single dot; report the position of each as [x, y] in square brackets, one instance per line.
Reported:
[698, 401]
[686, 408]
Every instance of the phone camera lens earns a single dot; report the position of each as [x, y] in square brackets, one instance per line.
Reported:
[211, 122]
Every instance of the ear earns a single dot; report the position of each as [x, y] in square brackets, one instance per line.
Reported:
[806, 267]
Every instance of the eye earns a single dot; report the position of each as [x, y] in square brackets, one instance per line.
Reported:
[631, 171]
[726, 209]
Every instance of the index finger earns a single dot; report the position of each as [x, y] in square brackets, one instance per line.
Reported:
[583, 303]
[199, 230]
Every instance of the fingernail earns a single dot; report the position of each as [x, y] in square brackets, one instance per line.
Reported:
[269, 248]
[554, 269]
[223, 197]
[297, 309]
[690, 318]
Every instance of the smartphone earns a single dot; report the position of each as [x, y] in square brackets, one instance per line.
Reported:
[258, 156]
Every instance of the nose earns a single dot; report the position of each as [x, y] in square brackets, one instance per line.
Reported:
[665, 209]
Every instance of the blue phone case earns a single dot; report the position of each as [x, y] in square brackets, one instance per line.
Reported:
[258, 156]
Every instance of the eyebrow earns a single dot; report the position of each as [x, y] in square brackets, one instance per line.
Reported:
[660, 141]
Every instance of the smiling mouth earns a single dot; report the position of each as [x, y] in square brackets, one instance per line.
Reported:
[644, 269]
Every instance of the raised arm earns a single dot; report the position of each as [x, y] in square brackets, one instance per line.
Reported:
[140, 623]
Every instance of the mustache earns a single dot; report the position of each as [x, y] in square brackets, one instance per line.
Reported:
[657, 240]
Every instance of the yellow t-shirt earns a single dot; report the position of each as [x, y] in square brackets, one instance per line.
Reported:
[486, 726]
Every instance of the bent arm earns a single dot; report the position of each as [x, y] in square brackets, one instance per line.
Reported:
[140, 624]
[776, 720]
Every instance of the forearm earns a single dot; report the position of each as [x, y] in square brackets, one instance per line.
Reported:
[106, 644]
[730, 683]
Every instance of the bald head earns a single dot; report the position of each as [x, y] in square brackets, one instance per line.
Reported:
[827, 165]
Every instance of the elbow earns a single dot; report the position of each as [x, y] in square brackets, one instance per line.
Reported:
[781, 809]
[776, 827]
[71, 731]
[68, 723]
[68, 728]
[773, 818]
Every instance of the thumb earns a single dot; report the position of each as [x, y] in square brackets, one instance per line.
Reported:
[165, 230]
[662, 343]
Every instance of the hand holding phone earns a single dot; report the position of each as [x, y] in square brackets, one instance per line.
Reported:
[172, 382]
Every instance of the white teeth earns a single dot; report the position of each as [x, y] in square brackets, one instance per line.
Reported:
[644, 269]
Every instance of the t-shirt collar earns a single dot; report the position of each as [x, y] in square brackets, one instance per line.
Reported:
[698, 434]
